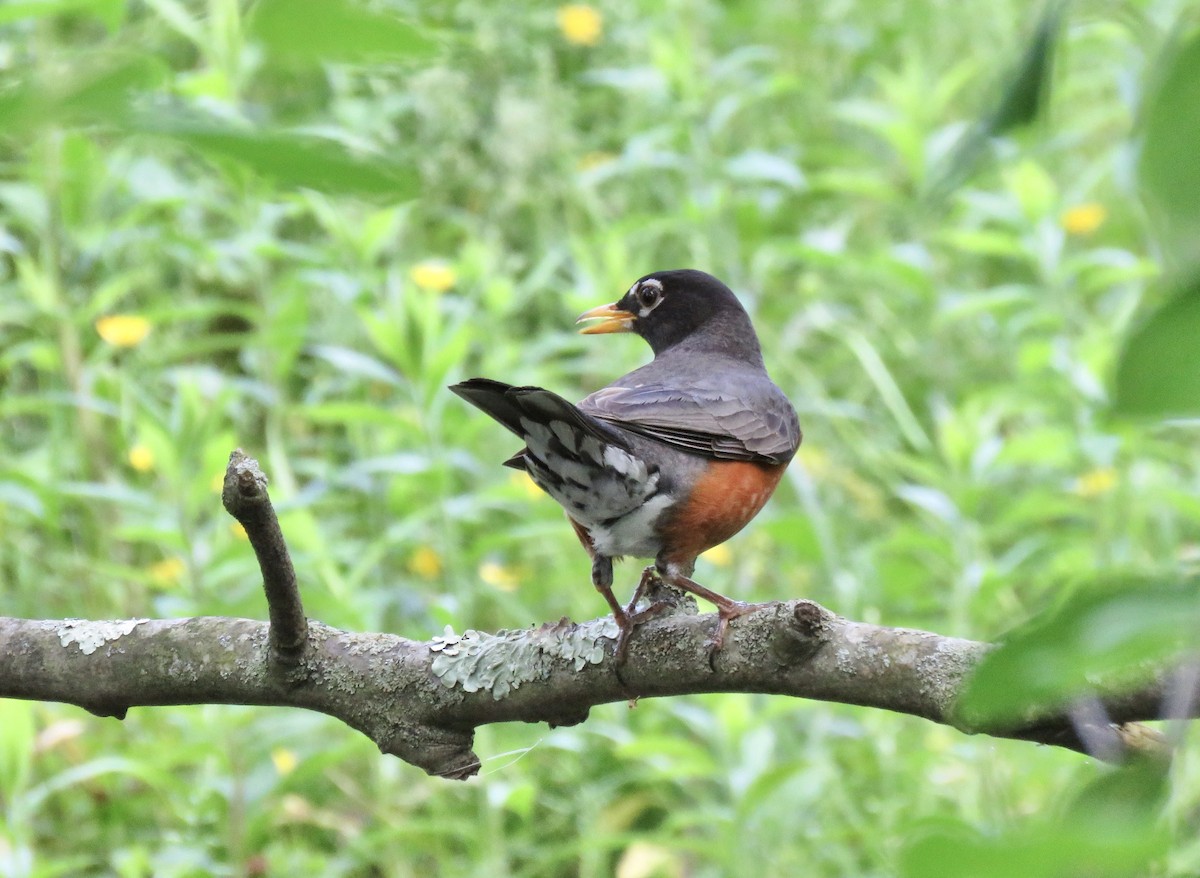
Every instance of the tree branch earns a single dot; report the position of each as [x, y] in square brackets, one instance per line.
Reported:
[422, 701]
[422, 704]
[244, 495]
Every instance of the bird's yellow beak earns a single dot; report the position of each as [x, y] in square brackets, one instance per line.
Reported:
[613, 319]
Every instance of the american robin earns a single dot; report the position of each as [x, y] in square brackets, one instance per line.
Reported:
[669, 460]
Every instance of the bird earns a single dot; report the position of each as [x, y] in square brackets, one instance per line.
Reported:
[670, 459]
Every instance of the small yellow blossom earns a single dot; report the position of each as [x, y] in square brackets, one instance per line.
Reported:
[1099, 481]
[580, 24]
[529, 486]
[167, 572]
[123, 330]
[433, 275]
[238, 531]
[1083, 219]
[645, 860]
[594, 160]
[719, 556]
[425, 563]
[285, 760]
[498, 576]
[141, 458]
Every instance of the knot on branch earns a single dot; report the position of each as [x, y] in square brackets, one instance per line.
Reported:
[804, 634]
[441, 752]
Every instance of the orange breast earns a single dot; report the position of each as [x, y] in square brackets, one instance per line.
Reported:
[730, 494]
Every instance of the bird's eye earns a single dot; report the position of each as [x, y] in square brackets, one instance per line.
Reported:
[648, 295]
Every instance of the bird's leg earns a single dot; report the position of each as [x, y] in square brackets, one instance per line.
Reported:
[635, 617]
[602, 579]
[649, 579]
[727, 608]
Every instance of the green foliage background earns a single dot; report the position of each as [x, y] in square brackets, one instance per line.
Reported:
[325, 214]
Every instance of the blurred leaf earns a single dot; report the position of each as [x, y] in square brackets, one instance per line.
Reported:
[1033, 188]
[765, 167]
[25, 497]
[95, 90]
[291, 159]
[1111, 830]
[1026, 91]
[108, 11]
[350, 362]
[17, 731]
[887, 388]
[1158, 374]
[1169, 170]
[1101, 638]
[335, 30]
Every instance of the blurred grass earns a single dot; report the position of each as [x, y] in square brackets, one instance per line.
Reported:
[962, 469]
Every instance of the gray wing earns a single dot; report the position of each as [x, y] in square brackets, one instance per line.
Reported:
[718, 421]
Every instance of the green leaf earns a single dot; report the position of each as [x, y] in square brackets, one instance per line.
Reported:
[1111, 636]
[1168, 168]
[1158, 374]
[313, 31]
[110, 12]
[17, 733]
[291, 159]
[1111, 830]
[94, 90]
[1025, 93]
[1028, 88]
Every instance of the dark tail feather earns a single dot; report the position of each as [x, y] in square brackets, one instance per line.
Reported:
[492, 398]
[508, 404]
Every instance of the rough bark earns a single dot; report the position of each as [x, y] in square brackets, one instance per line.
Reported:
[387, 687]
[421, 701]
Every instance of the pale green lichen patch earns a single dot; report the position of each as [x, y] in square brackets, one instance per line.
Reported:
[503, 661]
[89, 636]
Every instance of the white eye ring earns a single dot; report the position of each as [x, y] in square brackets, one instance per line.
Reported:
[649, 296]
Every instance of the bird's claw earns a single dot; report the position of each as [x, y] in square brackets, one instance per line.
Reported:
[632, 620]
[725, 614]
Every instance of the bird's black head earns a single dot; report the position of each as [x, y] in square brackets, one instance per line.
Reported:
[680, 306]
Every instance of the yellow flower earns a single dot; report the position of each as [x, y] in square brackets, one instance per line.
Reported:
[580, 24]
[719, 556]
[426, 563]
[498, 576]
[141, 458]
[1098, 481]
[167, 572]
[645, 860]
[123, 330]
[285, 760]
[433, 275]
[1083, 219]
[593, 160]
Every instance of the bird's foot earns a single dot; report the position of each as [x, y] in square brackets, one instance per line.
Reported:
[726, 612]
[632, 620]
[630, 616]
